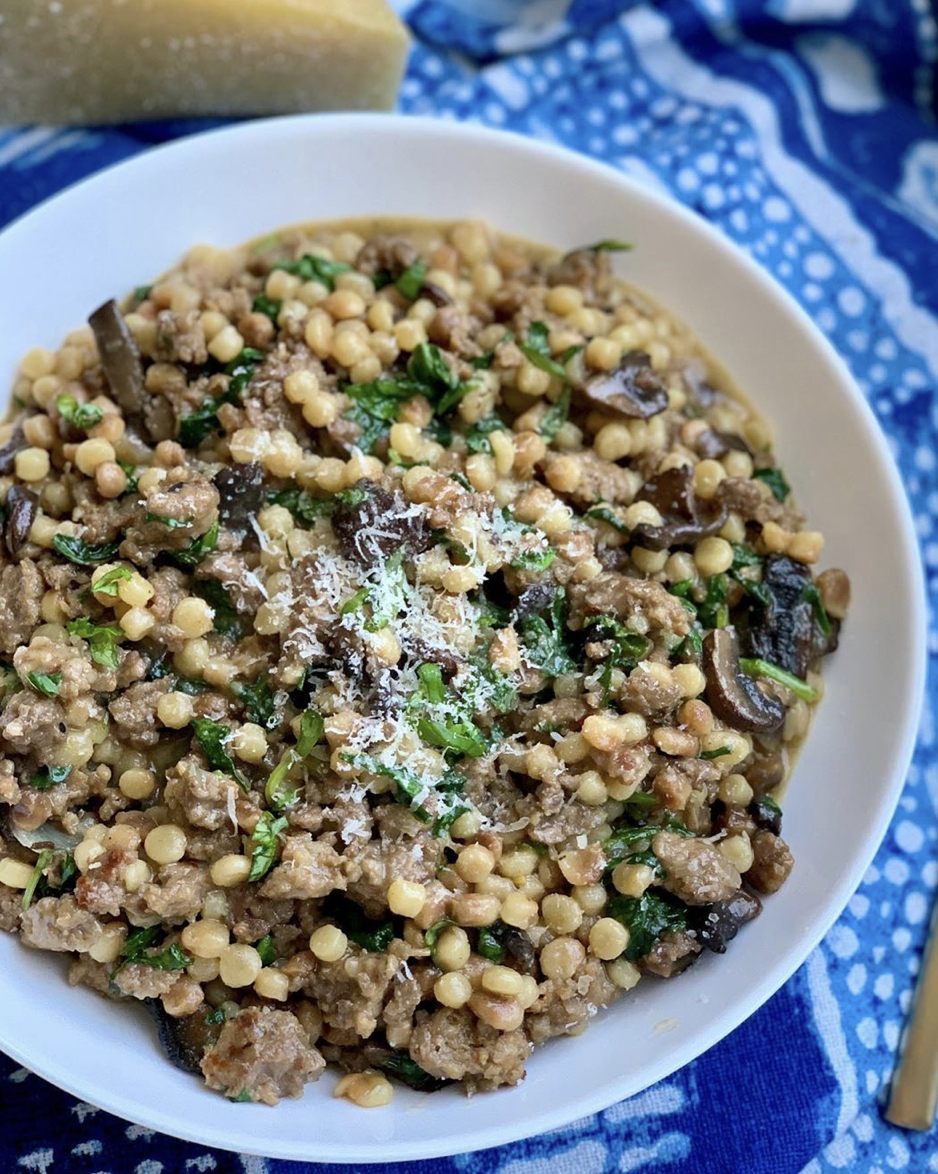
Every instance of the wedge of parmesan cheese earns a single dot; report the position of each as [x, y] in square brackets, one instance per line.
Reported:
[70, 61]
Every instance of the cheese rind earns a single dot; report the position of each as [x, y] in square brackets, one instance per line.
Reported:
[89, 61]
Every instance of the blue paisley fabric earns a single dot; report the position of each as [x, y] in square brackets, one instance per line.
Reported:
[805, 130]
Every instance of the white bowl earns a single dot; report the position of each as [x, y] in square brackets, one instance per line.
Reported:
[128, 224]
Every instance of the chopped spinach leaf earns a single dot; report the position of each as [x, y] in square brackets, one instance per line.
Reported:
[198, 548]
[265, 844]
[49, 776]
[432, 935]
[265, 947]
[312, 728]
[212, 737]
[45, 683]
[459, 736]
[489, 946]
[570, 352]
[81, 553]
[406, 783]
[813, 596]
[43, 860]
[242, 1098]
[302, 505]
[312, 268]
[440, 431]
[194, 428]
[103, 640]
[169, 523]
[108, 583]
[373, 936]
[376, 406]
[607, 246]
[280, 796]
[130, 472]
[775, 479]
[537, 350]
[605, 513]
[714, 611]
[213, 1018]
[638, 805]
[534, 560]
[491, 614]
[743, 556]
[487, 358]
[443, 823]
[225, 620]
[49, 884]
[431, 680]
[354, 602]
[546, 639]
[756, 667]
[140, 941]
[477, 435]
[270, 307]
[628, 648]
[403, 1068]
[410, 282]
[258, 699]
[82, 416]
[142, 292]
[428, 368]
[646, 918]
[555, 417]
[623, 840]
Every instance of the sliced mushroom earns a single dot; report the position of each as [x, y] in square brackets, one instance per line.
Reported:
[633, 389]
[787, 632]
[712, 444]
[735, 698]
[8, 451]
[697, 382]
[834, 586]
[184, 1040]
[766, 769]
[120, 358]
[532, 601]
[521, 949]
[372, 528]
[240, 493]
[585, 269]
[672, 495]
[718, 924]
[22, 505]
[435, 293]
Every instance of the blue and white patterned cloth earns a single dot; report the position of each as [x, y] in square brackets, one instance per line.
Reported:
[805, 130]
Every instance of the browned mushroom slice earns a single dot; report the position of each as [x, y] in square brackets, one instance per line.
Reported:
[787, 632]
[120, 357]
[712, 444]
[672, 495]
[735, 698]
[435, 293]
[240, 493]
[21, 505]
[632, 389]
[8, 451]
